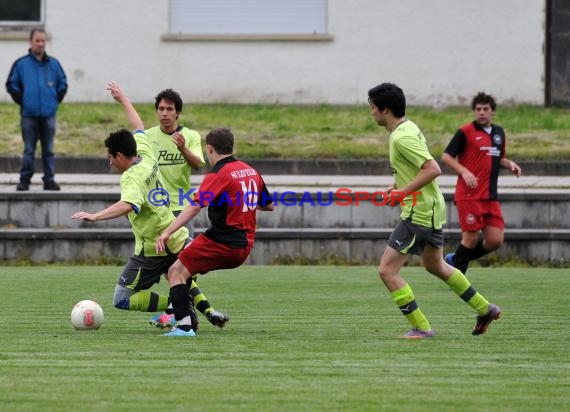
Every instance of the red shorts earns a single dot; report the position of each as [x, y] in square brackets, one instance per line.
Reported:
[204, 255]
[475, 215]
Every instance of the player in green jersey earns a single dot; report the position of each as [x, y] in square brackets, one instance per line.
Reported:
[132, 155]
[422, 217]
[178, 150]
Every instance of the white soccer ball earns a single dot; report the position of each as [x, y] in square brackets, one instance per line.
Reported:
[87, 314]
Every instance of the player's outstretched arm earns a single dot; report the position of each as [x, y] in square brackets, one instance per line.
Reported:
[122, 98]
[117, 209]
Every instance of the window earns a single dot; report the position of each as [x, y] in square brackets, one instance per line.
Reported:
[248, 17]
[21, 13]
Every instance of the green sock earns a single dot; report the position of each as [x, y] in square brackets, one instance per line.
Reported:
[199, 299]
[146, 301]
[462, 287]
[406, 301]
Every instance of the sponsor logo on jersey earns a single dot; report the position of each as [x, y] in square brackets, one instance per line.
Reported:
[497, 139]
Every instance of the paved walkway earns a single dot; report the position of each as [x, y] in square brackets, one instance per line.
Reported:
[110, 182]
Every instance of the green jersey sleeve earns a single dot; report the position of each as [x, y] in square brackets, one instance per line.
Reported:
[133, 190]
[413, 150]
[144, 148]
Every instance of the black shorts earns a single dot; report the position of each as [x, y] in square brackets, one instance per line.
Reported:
[409, 238]
[141, 272]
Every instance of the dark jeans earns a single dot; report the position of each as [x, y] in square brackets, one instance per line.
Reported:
[34, 129]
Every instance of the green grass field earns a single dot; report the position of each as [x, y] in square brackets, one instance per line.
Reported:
[300, 339]
[288, 131]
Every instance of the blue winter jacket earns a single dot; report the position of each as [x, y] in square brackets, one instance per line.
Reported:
[37, 86]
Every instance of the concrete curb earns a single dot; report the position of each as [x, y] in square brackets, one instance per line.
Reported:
[107, 182]
[335, 167]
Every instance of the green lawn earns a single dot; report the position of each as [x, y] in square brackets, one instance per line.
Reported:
[312, 131]
[318, 338]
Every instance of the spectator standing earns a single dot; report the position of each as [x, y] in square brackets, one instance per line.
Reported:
[38, 84]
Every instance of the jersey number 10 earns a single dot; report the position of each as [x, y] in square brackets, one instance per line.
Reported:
[250, 195]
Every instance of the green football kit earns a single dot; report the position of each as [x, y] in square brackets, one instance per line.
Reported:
[408, 152]
[148, 218]
[174, 171]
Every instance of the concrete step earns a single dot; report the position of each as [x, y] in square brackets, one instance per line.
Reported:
[104, 182]
[272, 166]
[529, 209]
[273, 245]
[37, 226]
[523, 208]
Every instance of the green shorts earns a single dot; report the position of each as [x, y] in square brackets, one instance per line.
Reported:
[409, 238]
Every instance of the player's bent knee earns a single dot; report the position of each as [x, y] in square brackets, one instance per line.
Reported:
[432, 268]
[121, 297]
[493, 245]
[122, 304]
[175, 277]
[383, 273]
[178, 274]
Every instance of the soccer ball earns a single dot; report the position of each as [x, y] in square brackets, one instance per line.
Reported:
[87, 314]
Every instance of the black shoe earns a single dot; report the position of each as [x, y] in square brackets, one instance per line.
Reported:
[22, 186]
[218, 319]
[51, 186]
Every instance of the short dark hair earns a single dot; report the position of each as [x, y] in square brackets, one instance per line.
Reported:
[122, 141]
[483, 98]
[36, 30]
[170, 95]
[388, 96]
[222, 140]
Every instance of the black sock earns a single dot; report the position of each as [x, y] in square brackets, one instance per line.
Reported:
[477, 251]
[181, 304]
[461, 258]
[464, 255]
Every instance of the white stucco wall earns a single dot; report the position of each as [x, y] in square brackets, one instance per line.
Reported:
[440, 52]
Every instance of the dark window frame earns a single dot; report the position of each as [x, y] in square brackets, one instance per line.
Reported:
[24, 25]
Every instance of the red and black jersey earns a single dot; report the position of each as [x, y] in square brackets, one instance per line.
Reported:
[232, 191]
[480, 152]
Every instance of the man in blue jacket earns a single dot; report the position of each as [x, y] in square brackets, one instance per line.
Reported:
[38, 84]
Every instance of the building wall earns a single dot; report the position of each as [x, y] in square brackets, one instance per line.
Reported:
[441, 52]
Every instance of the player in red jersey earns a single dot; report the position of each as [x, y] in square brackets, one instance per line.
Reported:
[233, 191]
[476, 153]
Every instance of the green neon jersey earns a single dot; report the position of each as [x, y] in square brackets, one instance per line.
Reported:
[408, 153]
[148, 218]
[174, 171]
